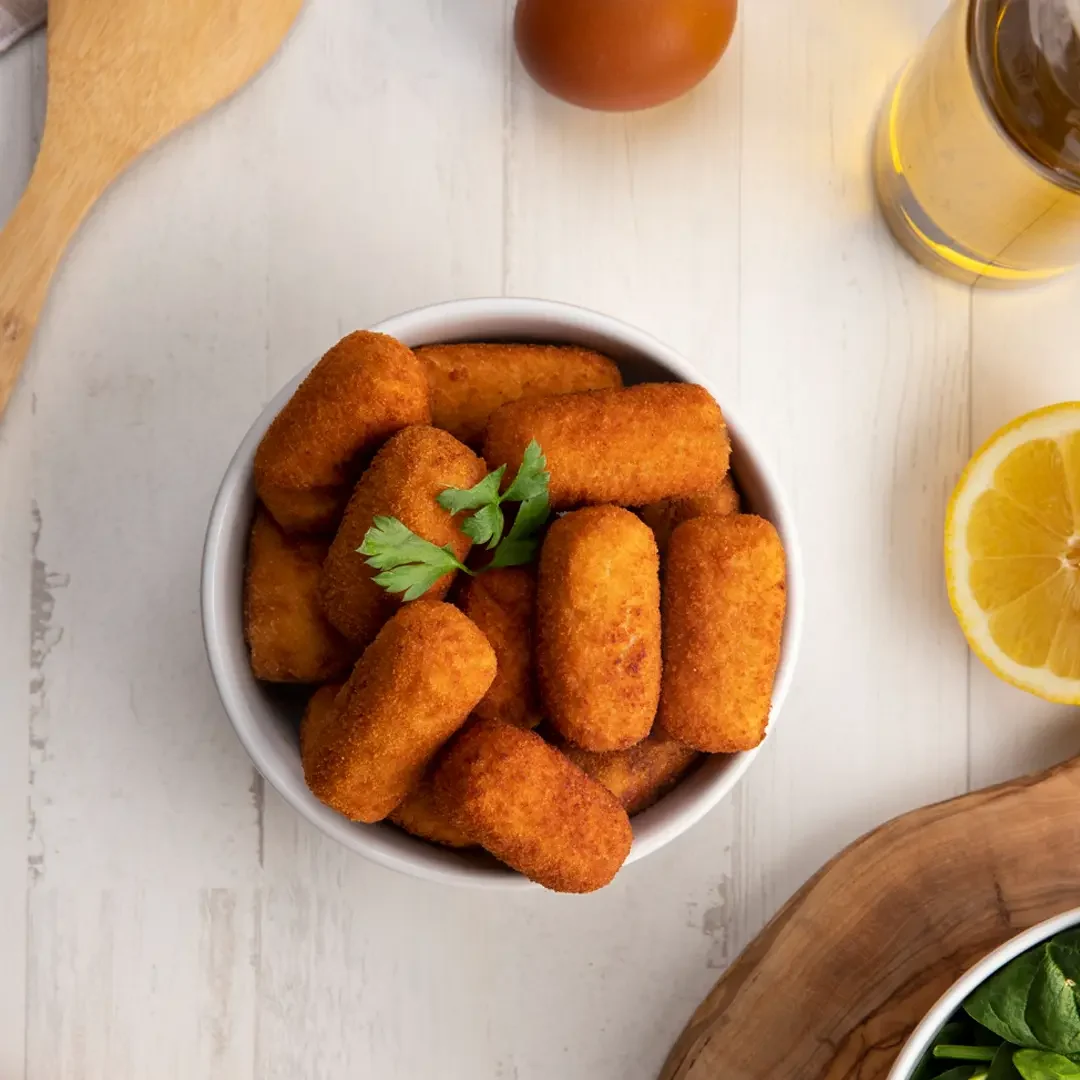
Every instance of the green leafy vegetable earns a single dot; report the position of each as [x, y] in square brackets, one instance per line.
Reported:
[1034, 1001]
[1026, 1016]
[954, 1031]
[1040, 1065]
[532, 478]
[409, 563]
[951, 1052]
[485, 526]
[1001, 1002]
[1002, 1067]
[532, 516]
[457, 499]
[523, 539]
[487, 523]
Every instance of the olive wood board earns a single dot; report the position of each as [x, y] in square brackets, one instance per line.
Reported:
[833, 986]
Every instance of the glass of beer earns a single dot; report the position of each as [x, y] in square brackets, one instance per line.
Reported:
[977, 152]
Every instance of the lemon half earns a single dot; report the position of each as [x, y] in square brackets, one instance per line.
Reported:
[1012, 552]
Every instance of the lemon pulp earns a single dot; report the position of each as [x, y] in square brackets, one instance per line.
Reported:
[1023, 540]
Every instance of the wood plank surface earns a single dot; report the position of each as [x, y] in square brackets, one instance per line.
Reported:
[19, 112]
[395, 155]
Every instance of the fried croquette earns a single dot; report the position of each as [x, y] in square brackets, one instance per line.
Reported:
[420, 814]
[469, 382]
[319, 712]
[640, 775]
[412, 689]
[502, 602]
[363, 390]
[598, 628]
[288, 635]
[631, 447]
[724, 600]
[662, 517]
[414, 467]
[532, 808]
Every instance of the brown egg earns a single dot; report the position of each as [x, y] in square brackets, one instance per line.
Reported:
[621, 54]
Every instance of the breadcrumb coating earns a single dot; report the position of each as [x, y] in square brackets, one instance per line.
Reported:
[724, 603]
[532, 808]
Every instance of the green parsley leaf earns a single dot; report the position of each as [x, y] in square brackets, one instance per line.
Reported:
[531, 517]
[532, 478]
[485, 526]
[515, 552]
[409, 563]
[412, 579]
[522, 540]
[479, 495]
[390, 542]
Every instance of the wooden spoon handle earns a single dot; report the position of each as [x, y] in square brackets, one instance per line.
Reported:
[32, 243]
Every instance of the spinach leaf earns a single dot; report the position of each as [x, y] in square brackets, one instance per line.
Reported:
[1054, 1009]
[1039, 1065]
[1068, 939]
[1034, 1001]
[1000, 1004]
[1033, 1004]
[1002, 1067]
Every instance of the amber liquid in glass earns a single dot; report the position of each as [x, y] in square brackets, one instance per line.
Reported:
[977, 153]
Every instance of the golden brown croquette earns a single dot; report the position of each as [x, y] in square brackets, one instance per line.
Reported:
[317, 715]
[662, 517]
[420, 814]
[724, 601]
[640, 775]
[502, 602]
[532, 808]
[630, 447]
[598, 628]
[408, 473]
[363, 390]
[470, 381]
[288, 635]
[412, 689]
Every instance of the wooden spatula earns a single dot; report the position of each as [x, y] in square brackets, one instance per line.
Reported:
[832, 987]
[122, 75]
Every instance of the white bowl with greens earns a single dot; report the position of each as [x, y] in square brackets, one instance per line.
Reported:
[1014, 1016]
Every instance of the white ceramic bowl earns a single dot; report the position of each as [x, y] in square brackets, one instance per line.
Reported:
[266, 718]
[923, 1036]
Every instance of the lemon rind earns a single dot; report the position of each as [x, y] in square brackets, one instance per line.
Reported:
[1052, 422]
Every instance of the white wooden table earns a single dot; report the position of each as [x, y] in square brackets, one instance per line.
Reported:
[163, 914]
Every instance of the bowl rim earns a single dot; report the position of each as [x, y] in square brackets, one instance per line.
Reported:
[919, 1040]
[411, 326]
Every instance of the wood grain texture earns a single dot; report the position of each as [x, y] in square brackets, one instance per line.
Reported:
[393, 155]
[18, 130]
[172, 978]
[840, 977]
[146, 392]
[123, 74]
[854, 370]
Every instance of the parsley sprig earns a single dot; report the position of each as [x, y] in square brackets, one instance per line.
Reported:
[410, 565]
